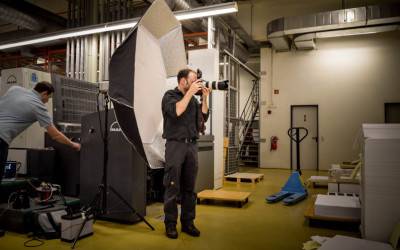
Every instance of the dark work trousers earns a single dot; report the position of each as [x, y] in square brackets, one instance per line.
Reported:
[3, 159]
[179, 179]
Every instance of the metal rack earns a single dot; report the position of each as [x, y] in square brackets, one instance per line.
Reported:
[231, 130]
[72, 100]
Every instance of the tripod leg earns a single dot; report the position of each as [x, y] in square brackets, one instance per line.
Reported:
[94, 207]
[129, 205]
[95, 203]
[80, 231]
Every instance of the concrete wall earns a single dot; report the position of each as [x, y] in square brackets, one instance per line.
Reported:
[350, 78]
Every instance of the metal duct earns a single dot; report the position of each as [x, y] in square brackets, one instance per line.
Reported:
[226, 41]
[18, 18]
[233, 23]
[240, 31]
[178, 4]
[281, 43]
[67, 59]
[81, 59]
[192, 25]
[16, 34]
[77, 58]
[72, 59]
[305, 29]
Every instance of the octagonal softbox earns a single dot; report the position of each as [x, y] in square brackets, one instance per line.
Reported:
[152, 51]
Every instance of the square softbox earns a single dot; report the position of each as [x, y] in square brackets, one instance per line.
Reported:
[139, 68]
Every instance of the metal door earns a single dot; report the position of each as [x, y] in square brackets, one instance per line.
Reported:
[392, 112]
[306, 116]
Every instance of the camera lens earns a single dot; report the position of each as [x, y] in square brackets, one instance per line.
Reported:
[220, 85]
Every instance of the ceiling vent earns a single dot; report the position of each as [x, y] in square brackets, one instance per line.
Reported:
[303, 30]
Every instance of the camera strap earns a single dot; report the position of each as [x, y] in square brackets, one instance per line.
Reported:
[200, 122]
[187, 117]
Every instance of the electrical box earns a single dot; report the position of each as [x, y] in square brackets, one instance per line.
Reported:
[71, 224]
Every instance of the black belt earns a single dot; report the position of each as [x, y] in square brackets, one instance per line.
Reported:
[185, 140]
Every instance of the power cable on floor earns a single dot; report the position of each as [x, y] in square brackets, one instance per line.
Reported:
[34, 238]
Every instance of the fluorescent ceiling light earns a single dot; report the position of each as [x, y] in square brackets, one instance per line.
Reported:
[70, 34]
[207, 11]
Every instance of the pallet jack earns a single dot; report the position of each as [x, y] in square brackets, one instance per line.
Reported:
[294, 190]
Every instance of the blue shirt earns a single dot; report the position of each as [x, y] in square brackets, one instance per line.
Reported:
[20, 108]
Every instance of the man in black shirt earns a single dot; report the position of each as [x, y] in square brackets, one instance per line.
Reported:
[182, 117]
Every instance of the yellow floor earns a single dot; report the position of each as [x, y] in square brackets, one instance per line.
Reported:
[257, 225]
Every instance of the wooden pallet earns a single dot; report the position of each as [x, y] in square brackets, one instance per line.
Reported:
[221, 195]
[238, 177]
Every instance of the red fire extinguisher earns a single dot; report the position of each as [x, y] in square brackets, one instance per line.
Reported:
[274, 143]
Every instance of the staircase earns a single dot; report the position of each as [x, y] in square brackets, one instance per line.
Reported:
[249, 129]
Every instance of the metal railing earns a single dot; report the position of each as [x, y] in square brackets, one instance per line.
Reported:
[248, 114]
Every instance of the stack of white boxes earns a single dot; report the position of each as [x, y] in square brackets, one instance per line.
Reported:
[380, 182]
[337, 206]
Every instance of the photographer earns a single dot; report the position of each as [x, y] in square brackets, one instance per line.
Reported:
[182, 117]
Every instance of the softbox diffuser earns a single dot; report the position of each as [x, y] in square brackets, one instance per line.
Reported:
[152, 51]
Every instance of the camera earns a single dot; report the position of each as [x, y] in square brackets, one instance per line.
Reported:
[214, 85]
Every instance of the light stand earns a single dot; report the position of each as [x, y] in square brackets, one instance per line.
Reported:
[98, 206]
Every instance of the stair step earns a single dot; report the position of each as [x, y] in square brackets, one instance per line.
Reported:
[249, 161]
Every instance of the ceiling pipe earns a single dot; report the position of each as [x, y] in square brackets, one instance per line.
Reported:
[18, 18]
[191, 25]
[237, 27]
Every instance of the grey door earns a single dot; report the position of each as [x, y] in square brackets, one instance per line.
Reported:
[307, 117]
